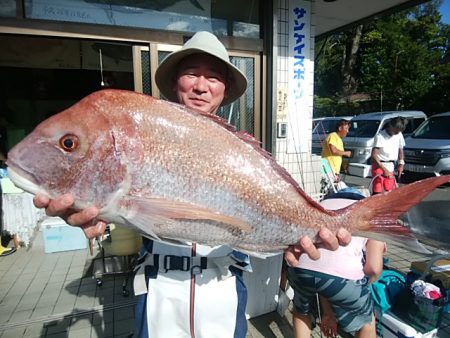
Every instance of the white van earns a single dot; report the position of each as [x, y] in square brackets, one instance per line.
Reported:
[427, 151]
[323, 126]
[364, 127]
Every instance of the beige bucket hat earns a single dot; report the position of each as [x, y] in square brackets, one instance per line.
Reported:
[201, 42]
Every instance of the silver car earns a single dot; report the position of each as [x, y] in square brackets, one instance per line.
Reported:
[427, 151]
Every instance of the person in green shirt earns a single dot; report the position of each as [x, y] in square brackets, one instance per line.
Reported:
[333, 146]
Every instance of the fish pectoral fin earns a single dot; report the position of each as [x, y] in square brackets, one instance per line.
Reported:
[162, 210]
[262, 255]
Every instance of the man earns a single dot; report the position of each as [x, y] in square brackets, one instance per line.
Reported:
[333, 147]
[183, 303]
[387, 149]
[212, 302]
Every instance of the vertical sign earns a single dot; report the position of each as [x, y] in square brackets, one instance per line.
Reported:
[300, 76]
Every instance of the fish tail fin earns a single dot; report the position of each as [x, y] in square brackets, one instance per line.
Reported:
[380, 213]
[406, 241]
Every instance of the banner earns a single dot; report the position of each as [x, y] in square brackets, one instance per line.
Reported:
[300, 77]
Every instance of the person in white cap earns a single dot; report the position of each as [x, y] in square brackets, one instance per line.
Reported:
[190, 290]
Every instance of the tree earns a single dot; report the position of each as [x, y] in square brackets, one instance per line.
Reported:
[335, 76]
[349, 59]
[398, 62]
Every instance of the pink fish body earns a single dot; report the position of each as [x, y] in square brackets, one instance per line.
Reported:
[173, 173]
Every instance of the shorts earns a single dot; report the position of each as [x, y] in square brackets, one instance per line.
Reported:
[382, 183]
[351, 300]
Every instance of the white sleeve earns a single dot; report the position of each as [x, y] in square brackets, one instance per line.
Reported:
[378, 143]
[401, 141]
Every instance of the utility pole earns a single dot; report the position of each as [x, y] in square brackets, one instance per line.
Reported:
[381, 98]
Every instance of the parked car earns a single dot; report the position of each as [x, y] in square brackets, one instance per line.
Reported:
[427, 151]
[321, 128]
[316, 120]
[364, 127]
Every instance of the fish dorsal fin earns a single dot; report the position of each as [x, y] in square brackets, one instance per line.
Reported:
[151, 210]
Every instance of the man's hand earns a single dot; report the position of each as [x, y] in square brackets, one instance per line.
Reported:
[327, 240]
[387, 173]
[400, 169]
[63, 207]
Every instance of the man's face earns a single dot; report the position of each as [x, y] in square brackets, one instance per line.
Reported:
[343, 130]
[201, 82]
[393, 131]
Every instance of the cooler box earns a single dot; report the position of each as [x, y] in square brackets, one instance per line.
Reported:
[392, 327]
[359, 169]
[63, 237]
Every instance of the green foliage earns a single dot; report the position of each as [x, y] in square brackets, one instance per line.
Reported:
[333, 106]
[403, 62]
[324, 106]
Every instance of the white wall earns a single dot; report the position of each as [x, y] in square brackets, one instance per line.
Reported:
[294, 151]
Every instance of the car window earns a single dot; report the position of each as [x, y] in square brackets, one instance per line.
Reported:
[325, 126]
[363, 128]
[434, 128]
[413, 123]
[314, 124]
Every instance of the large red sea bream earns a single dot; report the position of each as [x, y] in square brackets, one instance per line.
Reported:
[172, 173]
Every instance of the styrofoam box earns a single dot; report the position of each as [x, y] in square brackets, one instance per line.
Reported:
[48, 222]
[63, 237]
[359, 169]
[393, 327]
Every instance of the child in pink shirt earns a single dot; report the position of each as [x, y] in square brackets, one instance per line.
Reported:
[342, 279]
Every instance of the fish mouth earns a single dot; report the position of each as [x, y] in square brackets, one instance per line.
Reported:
[23, 179]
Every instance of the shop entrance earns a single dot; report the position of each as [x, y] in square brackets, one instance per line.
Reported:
[41, 76]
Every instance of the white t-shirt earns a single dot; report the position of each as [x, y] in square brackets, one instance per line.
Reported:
[389, 145]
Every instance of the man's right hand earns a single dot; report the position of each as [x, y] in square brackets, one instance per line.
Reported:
[63, 207]
[387, 173]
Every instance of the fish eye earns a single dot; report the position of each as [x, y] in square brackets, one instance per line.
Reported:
[69, 142]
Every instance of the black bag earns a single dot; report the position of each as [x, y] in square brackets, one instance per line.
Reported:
[421, 313]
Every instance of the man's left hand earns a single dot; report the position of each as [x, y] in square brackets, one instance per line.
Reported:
[327, 240]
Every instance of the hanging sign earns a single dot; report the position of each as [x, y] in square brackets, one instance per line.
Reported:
[300, 77]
